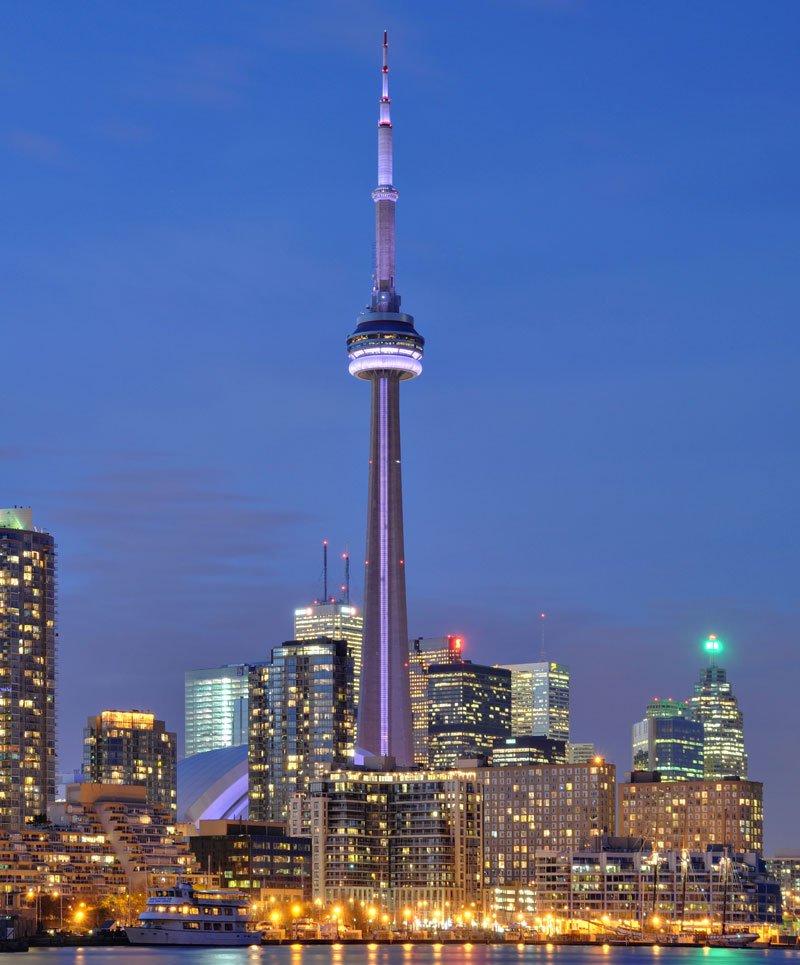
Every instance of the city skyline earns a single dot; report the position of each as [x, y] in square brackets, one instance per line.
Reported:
[645, 457]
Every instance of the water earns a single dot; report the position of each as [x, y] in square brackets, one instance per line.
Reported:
[410, 955]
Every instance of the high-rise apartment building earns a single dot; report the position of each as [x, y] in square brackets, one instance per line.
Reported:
[27, 669]
[446, 843]
[692, 814]
[423, 653]
[302, 719]
[401, 840]
[215, 707]
[337, 621]
[470, 708]
[540, 699]
[553, 806]
[715, 706]
[132, 748]
[669, 741]
[385, 350]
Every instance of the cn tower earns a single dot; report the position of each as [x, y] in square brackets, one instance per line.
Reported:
[385, 350]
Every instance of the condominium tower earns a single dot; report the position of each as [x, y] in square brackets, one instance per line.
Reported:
[133, 748]
[336, 620]
[384, 350]
[27, 669]
[215, 708]
[302, 719]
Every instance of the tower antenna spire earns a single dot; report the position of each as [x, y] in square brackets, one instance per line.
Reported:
[542, 618]
[324, 571]
[384, 295]
[346, 587]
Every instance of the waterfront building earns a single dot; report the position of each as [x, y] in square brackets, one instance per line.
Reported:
[540, 699]
[423, 652]
[669, 741]
[527, 749]
[530, 807]
[102, 841]
[715, 706]
[441, 842]
[215, 708]
[384, 350]
[398, 840]
[785, 868]
[257, 857]
[336, 620]
[469, 707]
[302, 719]
[27, 669]
[623, 883]
[133, 748]
[692, 814]
[580, 753]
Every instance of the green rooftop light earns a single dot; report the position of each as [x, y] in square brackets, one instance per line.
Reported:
[712, 644]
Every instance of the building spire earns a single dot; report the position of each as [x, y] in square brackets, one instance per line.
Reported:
[384, 295]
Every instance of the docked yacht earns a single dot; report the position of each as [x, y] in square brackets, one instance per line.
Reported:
[180, 915]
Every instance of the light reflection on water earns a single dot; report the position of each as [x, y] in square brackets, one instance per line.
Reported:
[476, 954]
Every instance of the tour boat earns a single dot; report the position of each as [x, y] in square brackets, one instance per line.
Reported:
[180, 915]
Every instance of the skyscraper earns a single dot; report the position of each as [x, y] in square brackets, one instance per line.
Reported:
[540, 699]
[470, 708]
[715, 706]
[302, 719]
[338, 621]
[215, 707]
[423, 653]
[384, 350]
[133, 748]
[27, 669]
[669, 741]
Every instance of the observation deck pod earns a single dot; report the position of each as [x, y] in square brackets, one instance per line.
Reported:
[385, 342]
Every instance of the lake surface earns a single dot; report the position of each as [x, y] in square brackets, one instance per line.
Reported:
[412, 955]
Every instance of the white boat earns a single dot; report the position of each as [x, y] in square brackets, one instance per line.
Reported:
[732, 940]
[180, 915]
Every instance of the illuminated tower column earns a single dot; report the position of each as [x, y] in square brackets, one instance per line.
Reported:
[385, 349]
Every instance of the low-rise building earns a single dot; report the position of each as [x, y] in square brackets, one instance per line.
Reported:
[624, 883]
[258, 857]
[103, 840]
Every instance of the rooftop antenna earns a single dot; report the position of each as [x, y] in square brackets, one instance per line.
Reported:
[346, 587]
[542, 618]
[324, 571]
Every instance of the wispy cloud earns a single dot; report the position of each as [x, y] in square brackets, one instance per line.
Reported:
[209, 77]
[36, 146]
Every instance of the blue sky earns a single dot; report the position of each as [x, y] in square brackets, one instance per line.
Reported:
[597, 234]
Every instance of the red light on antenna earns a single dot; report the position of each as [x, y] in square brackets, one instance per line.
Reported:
[324, 542]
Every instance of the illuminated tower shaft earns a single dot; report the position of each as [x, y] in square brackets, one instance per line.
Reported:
[385, 349]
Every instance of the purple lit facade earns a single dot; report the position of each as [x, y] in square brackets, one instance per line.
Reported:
[385, 349]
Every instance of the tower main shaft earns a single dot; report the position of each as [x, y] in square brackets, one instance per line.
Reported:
[385, 349]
